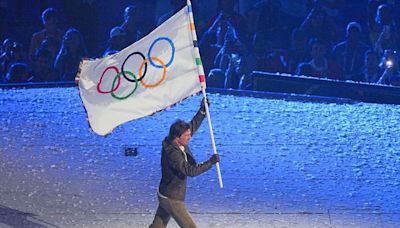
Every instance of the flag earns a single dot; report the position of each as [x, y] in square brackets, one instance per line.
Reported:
[148, 76]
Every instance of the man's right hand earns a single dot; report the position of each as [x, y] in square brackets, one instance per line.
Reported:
[203, 106]
[214, 158]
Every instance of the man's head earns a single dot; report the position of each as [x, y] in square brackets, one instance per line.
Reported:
[49, 19]
[180, 133]
[353, 31]
[318, 49]
[384, 15]
[130, 14]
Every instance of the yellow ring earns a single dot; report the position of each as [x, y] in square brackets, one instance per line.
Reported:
[145, 85]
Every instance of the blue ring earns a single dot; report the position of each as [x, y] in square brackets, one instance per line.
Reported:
[151, 47]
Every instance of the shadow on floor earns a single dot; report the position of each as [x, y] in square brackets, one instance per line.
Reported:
[20, 219]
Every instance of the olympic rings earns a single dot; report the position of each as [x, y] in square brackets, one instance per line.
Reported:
[101, 79]
[172, 55]
[118, 76]
[145, 85]
[123, 65]
[154, 61]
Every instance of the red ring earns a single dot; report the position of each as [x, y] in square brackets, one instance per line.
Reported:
[101, 79]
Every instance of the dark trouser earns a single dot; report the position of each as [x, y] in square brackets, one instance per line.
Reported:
[176, 209]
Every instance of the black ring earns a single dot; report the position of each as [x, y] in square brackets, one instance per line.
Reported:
[145, 67]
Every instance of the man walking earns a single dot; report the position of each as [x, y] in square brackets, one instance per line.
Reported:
[177, 162]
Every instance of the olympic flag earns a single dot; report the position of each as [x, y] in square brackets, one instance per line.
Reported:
[148, 76]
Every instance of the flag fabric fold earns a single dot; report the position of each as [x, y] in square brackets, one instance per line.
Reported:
[148, 76]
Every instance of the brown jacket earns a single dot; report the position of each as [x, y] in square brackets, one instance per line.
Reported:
[175, 168]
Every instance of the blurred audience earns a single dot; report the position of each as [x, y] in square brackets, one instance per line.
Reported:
[384, 33]
[391, 74]
[176, 6]
[18, 73]
[130, 28]
[72, 51]
[43, 70]
[50, 35]
[227, 10]
[298, 51]
[349, 54]
[232, 61]
[118, 40]
[212, 42]
[14, 53]
[319, 65]
[269, 31]
[318, 25]
[5, 57]
[232, 45]
[371, 70]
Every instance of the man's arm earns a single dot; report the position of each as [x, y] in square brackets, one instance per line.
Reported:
[198, 118]
[178, 163]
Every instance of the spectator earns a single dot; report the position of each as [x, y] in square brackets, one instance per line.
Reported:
[176, 6]
[212, 42]
[273, 61]
[319, 66]
[18, 73]
[269, 32]
[51, 34]
[372, 8]
[318, 25]
[117, 41]
[130, 28]
[371, 70]
[5, 57]
[226, 10]
[43, 67]
[14, 54]
[233, 61]
[349, 54]
[298, 51]
[385, 36]
[72, 51]
[391, 74]
[18, 53]
[252, 16]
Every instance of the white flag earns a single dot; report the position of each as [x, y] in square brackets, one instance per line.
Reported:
[148, 76]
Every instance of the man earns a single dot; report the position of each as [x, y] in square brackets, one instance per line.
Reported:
[50, 34]
[349, 54]
[177, 162]
[43, 67]
[319, 66]
[128, 32]
[372, 72]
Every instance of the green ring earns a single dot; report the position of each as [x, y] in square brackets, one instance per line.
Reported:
[115, 79]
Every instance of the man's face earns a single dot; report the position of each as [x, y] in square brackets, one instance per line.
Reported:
[184, 139]
[353, 34]
[50, 23]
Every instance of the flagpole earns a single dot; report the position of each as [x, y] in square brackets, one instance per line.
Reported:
[203, 86]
